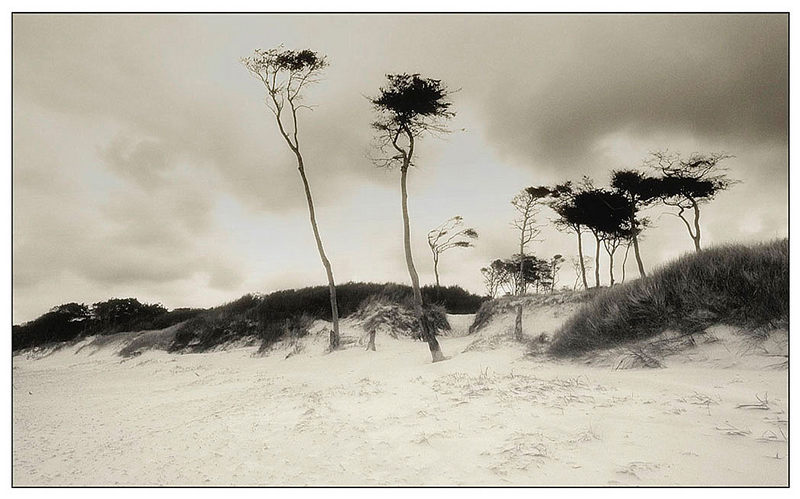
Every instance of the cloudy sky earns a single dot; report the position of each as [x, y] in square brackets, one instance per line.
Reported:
[146, 164]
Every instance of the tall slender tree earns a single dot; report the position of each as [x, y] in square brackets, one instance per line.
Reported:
[285, 74]
[410, 106]
[527, 204]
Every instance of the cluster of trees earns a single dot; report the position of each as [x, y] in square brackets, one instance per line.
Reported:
[521, 274]
[613, 215]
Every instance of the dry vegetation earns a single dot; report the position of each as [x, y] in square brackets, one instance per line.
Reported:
[743, 286]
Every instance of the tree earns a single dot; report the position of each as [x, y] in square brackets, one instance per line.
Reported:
[612, 240]
[570, 218]
[447, 236]
[527, 204]
[687, 183]
[580, 271]
[409, 107]
[122, 314]
[493, 277]
[641, 191]
[555, 265]
[605, 213]
[285, 74]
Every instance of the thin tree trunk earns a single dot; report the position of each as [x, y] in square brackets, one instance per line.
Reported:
[334, 337]
[611, 268]
[371, 344]
[427, 333]
[520, 283]
[295, 147]
[637, 254]
[625, 261]
[436, 272]
[696, 236]
[518, 324]
[580, 255]
[597, 263]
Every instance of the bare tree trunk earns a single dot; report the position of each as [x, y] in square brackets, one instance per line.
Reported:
[518, 324]
[580, 256]
[637, 254]
[696, 236]
[611, 268]
[521, 283]
[597, 262]
[427, 333]
[335, 338]
[436, 271]
[371, 345]
[625, 261]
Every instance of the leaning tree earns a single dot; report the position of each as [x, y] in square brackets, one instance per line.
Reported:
[686, 183]
[450, 234]
[410, 106]
[285, 74]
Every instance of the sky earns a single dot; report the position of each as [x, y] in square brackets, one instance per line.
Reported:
[146, 164]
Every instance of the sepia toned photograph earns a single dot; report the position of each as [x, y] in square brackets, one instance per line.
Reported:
[399, 250]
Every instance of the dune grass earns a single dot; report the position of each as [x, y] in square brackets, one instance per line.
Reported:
[745, 286]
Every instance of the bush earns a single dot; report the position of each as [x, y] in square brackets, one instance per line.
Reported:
[743, 286]
[255, 316]
[272, 316]
[62, 323]
[379, 312]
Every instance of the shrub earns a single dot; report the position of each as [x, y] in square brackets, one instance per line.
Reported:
[743, 286]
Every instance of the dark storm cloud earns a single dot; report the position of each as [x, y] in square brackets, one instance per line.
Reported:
[719, 77]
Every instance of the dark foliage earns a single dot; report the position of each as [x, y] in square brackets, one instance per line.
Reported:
[122, 314]
[743, 286]
[407, 98]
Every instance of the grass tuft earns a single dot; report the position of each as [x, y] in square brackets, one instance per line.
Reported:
[746, 286]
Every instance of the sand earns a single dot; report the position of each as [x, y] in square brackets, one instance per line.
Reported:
[491, 417]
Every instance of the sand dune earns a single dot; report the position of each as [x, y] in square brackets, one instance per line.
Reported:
[85, 416]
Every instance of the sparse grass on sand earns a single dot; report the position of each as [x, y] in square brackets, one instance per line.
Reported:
[745, 286]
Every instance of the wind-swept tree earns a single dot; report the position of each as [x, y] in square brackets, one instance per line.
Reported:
[641, 191]
[409, 107]
[688, 183]
[285, 74]
[527, 204]
[450, 234]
